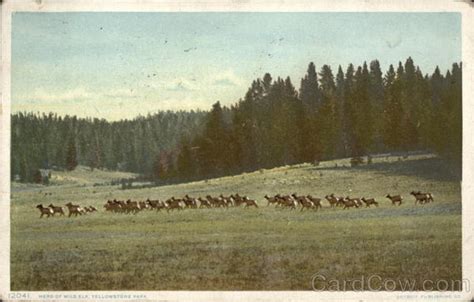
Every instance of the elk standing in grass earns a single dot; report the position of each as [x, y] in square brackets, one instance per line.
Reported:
[395, 199]
[370, 201]
[316, 201]
[356, 200]
[45, 211]
[332, 200]
[286, 201]
[349, 203]
[250, 202]
[204, 203]
[173, 204]
[56, 209]
[74, 209]
[271, 200]
[422, 198]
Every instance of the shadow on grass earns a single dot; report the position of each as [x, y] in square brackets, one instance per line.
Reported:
[434, 169]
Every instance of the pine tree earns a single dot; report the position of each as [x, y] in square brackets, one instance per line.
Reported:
[327, 115]
[409, 133]
[393, 111]
[71, 160]
[311, 148]
[309, 90]
[341, 137]
[376, 96]
[349, 111]
[185, 162]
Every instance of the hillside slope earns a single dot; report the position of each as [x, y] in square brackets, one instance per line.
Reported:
[236, 248]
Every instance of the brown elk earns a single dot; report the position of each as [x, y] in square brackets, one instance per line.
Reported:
[228, 201]
[88, 210]
[204, 203]
[238, 200]
[154, 204]
[189, 202]
[370, 201]
[271, 200]
[299, 199]
[316, 201]
[45, 211]
[332, 200]
[74, 209]
[132, 207]
[113, 206]
[395, 199]
[142, 205]
[422, 198]
[356, 200]
[349, 203]
[250, 202]
[306, 203]
[56, 209]
[287, 201]
[173, 204]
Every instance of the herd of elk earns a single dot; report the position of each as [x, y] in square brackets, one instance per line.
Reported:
[187, 202]
[75, 210]
[293, 201]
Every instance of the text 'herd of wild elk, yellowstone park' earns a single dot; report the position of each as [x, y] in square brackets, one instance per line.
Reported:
[291, 202]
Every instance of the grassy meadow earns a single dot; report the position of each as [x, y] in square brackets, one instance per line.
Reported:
[236, 248]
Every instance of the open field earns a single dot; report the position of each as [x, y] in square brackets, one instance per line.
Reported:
[237, 248]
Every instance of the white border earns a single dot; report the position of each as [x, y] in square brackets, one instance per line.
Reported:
[465, 8]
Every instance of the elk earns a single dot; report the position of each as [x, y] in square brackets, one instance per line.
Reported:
[332, 200]
[228, 201]
[369, 202]
[422, 197]
[131, 207]
[172, 204]
[238, 200]
[349, 203]
[74, 209]
[395, 199]
[287, 201]
[316, 201]
[143, 205]
[56, 209]
[299, 199]
[113, 206]
[357, 201]
[340, 202]
[87, 210]
[153, 204]
[306, 203]
[250, 202]
[190, 202]
[271, 200]
[204, 203]
[45, 211]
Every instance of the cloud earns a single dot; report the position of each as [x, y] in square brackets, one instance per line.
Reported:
[75, 95]
[224, 82]
[226, 78]
[139, 97]
[180, 86]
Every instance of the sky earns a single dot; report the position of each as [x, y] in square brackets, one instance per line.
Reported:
[120, 65]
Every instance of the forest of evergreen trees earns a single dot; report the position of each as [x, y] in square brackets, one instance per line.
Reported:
[356, 112]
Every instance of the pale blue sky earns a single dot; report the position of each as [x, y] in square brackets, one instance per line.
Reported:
[119, 65]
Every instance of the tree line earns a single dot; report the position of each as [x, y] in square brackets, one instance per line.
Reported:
[351, 113]
[49, 141]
